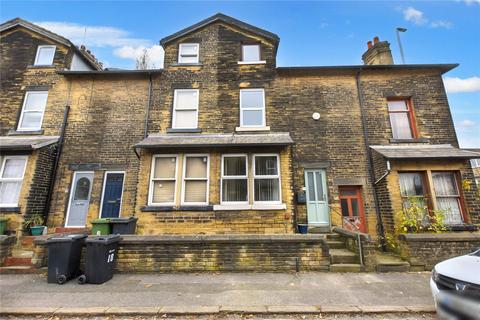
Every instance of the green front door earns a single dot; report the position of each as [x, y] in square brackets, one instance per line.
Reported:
[317, 201]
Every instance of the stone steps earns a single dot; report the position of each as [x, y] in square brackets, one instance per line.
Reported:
[388, 262]
[345, 267]
[335, 244]
[338, 256]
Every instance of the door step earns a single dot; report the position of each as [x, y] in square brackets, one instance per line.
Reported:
[22, 270]
[319, 229]
[345, 267]
[387, 262]
[345, 256]
[335, 244]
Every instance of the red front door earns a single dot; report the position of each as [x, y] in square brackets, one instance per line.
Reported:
[352, 208]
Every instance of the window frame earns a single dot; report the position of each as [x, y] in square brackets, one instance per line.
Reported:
[263, 109]
[246, 44]
[2, 169]
[23, 111]
[174, 110]
[152, 180]
[410, 115]
[460, 196]
[35, 63]
[222, 177]
[184, 179]
[427, 195]
[180, 55]
[277, 176]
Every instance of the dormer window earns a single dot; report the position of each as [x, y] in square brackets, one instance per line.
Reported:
[45, 55]
[188, 53]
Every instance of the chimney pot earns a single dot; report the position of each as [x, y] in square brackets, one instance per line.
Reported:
[376, 40]
[369, 44]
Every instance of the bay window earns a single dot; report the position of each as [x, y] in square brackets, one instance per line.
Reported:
[185, 109]
[163, 179]
[234, 182]
[195, 179]
[401, 119]
[412, 188]
[12, 171]
[32, 111]
[266, 178]
[448, 196]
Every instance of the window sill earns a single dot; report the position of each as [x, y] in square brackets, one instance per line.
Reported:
[415, 140]
[9, 209]
[175, 208]
[24, 133]
[186, 65]
[246, 129]
[239, 207]
[173, 130]
[48, 66]
[252, 62]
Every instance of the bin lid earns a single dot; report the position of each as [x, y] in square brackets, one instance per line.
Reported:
[123, 220]
[67, 237]
[106, 239]
[101, 220]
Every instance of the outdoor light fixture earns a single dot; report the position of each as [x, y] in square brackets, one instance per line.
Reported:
[400, 29]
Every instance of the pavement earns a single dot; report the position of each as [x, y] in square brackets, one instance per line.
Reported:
[224, 293]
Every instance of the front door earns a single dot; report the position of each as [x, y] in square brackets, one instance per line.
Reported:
[112, 194]
[79, 199]
[317, 201]
[352, 208]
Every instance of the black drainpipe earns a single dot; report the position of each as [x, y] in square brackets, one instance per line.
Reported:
[380, 228]
[57, 160]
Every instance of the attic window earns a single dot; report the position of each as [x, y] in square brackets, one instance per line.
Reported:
[251, 52]
[45, 56]
[188, 53]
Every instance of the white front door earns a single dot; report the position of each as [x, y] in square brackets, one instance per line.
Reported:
[317, 201]
[79, 199]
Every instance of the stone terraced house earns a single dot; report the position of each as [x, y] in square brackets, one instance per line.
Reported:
[221, 140]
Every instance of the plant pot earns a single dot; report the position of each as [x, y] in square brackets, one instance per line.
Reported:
[3, 225]
[303, 228]
[37, 230]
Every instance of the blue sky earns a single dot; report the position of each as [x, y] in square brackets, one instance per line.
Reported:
[312, 33]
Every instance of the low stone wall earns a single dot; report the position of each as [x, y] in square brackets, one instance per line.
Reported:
[235, 253]
[6, 246]
[424, 251]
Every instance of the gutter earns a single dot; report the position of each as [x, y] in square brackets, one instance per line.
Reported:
[380, 229]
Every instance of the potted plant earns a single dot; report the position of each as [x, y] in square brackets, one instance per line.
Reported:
[34, 222]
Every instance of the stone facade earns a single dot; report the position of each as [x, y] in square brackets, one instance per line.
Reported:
[112, 111]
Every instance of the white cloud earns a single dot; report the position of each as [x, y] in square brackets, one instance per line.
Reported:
[455, 85]
[471, 2]
[466, 123]
[155, 54]
[413, 15]
[441, 24]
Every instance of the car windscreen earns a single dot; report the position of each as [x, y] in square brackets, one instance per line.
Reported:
[476, 253]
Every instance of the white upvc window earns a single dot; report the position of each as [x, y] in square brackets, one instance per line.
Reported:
[45, 55]
[188, 53]
[234, 184]
[266, 179]
[32, 111]
[252, 108]
[185, 109]
[12, 171]
[251, 53]
[163, 180]
[195, 179]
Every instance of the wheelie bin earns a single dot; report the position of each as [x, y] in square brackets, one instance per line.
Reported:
[123, 225]
[64, 254]
[101, 226]
[100, 260]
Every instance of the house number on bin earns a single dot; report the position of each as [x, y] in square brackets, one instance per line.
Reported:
[111, 255]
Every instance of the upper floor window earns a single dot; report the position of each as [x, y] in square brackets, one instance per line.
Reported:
[252, 108]
[45, 56]
[185, 109]
[475, 163]
[251, 53]
[188, 53]
[401, 119]
[32, 111]
[12, 169]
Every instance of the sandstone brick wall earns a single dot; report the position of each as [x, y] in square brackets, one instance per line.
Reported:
[424, 251]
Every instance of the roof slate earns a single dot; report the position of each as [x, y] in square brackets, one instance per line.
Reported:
[26, 143]
[440, 151]
[216, 140]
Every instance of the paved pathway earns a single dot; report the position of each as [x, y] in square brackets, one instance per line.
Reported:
[211, 293]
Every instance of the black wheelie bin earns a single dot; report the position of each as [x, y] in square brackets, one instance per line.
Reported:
[64, 254]
[123, 225]
[100, 259]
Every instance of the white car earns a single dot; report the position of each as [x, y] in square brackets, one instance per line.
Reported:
[455, 285]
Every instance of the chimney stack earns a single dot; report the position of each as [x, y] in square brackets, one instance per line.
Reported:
[378, 53]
